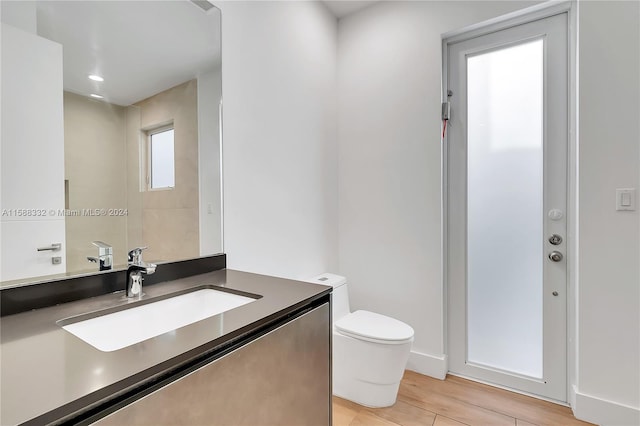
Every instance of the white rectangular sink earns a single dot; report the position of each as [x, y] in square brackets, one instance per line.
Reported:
[120, 329]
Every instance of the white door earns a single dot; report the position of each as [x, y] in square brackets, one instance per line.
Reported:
[506, 222]
[32, 157]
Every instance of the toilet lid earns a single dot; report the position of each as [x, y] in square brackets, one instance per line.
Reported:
[371, 326]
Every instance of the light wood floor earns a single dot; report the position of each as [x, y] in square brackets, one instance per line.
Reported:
[426, 401]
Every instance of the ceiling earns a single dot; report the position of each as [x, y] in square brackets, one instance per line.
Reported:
[140, 48]
[346, 7]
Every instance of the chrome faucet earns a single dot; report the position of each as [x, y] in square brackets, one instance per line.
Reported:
[137, 267]
[105, 255]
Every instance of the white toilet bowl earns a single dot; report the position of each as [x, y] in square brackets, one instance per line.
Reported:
[370, 351]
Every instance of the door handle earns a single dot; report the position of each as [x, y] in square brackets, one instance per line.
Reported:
[555, 256]
[52, 247]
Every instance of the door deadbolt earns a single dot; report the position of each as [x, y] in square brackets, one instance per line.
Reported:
[555, 256]
[555, 239]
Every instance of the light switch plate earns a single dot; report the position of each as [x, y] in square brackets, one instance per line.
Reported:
[625, 199]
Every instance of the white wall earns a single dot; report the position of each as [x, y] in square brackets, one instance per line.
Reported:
[608, 322]
[20, 14]
[279, 62]
[389, 62]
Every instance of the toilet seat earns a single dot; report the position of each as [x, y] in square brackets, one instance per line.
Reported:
[372, 327]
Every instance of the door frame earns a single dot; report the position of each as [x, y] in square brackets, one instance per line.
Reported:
[523, 16]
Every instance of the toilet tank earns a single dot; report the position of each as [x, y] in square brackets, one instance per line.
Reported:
[340, 294]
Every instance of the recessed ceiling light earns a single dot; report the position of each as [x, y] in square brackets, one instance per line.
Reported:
[95, 77]
[93, 95]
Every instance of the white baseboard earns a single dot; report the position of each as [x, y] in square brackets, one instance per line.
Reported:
[429, 365]
[572, 396]
[606, 413]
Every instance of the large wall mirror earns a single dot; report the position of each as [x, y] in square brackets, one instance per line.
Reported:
[111, 135]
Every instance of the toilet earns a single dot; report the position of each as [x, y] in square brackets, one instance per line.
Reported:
[370, 351]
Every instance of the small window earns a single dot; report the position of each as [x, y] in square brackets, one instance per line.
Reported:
[161, 159]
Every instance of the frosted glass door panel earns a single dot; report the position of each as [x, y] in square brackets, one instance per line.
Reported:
[505, 209]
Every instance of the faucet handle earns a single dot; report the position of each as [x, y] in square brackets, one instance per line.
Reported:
[135, 255]
[101, 244]
[103, 248]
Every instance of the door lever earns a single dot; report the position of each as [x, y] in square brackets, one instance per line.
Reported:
[52, 247]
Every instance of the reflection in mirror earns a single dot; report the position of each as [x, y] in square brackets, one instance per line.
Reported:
[110, 135]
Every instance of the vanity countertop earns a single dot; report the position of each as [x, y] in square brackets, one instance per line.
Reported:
[48, 373]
